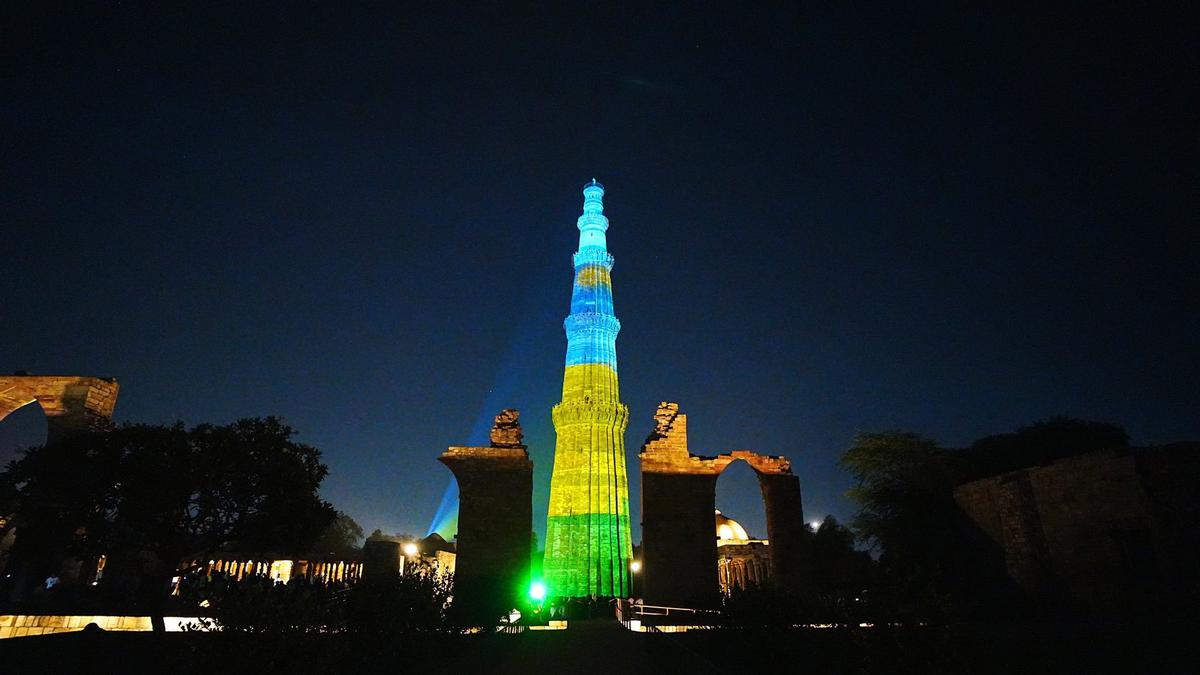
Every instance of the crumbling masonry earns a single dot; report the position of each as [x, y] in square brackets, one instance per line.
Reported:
[71, 403]
[679, 548]
[495, 522]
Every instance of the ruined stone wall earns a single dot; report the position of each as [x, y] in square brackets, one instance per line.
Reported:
[1081, 527]
[980, 500]
[495, 523]
[71, 403]
[1091, 509]
[679, 544]
[678, 500]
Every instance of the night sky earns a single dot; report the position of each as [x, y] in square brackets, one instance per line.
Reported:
[825, 219]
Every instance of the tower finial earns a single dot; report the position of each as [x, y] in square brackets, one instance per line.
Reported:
[592, 224]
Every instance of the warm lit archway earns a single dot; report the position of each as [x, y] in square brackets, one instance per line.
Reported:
[70, 403]
[678, 500]
[743, 549]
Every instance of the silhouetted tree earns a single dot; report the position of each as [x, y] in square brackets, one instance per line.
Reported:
[1039, 443]
[63, 498]
[150, 496]
[415, 601]
[836, 567]
[342, 537]
[934, 561]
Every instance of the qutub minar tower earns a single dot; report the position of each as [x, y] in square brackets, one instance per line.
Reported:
[588, 545]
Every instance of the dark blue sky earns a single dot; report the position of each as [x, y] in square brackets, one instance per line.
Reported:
[826, 219]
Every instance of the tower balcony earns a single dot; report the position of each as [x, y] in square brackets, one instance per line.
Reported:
[607, 413]
[593, 255]
[591, 322]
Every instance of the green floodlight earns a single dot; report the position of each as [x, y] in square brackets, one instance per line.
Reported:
[537, 591]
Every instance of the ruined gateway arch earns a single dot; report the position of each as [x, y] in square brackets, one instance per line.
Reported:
[679, 547]
[71, 403]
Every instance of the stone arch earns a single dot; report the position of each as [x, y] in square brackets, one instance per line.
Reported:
[71, 403]
[678, 497]
[22, 429]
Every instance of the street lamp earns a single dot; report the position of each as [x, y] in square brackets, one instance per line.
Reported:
[410, 549]
[635, 566]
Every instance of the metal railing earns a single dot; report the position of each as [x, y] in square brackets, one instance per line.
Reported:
[628, 612]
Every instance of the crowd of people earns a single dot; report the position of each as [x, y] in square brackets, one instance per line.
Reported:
[205, 590]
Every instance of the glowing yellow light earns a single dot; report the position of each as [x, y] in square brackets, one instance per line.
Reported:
[593, 275]
[635, 566]
[410, 549]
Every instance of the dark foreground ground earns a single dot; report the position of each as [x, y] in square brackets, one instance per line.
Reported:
[603, 646]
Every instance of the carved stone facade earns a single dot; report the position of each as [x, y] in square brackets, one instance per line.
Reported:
[742, 566]
[743, 562]
[678, 501]
[495, 522]
[71, 403]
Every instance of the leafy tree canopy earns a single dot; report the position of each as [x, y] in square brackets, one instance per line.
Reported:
[934, 561]
[170, 491]
[1040, 443]
[903, 485]
[343, 536]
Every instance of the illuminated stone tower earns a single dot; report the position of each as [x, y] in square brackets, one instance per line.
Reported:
[587, 529]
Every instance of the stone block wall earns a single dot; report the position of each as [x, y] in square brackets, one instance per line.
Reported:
[70, 402]
[1081, 528]
[495, 525]
[785, 528]
[25, 625]
[679, 542]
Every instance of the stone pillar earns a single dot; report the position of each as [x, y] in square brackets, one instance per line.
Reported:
[382, 558]
[495, 523]
[785, 529]
[679, 541]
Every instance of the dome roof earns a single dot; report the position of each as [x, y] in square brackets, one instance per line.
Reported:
[729, 529]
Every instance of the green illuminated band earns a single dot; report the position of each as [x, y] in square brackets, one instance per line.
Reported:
[598, 563]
